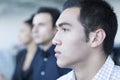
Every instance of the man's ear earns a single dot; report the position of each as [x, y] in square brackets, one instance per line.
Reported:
[97, 37]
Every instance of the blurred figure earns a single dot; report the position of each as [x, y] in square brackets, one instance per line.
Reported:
[25, 58]
[116, 55]
[2, 77]
[43, 32]
[7, 64]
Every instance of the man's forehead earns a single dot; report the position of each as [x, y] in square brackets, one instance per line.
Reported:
[68, 14]
[72, 9]
[42, 17]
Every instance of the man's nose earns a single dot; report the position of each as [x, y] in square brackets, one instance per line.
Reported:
[56, 40]
[34, 29]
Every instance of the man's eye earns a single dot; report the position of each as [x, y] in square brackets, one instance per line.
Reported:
[65, 29]
[56, 29]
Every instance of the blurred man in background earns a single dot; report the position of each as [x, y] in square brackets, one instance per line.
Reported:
[2, 77]
[116, 55]
[43, 32]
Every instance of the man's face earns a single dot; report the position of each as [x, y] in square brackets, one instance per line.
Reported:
[43, 30]
[71, 46]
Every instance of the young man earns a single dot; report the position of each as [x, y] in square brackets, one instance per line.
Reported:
[43, 32]
[84, 40]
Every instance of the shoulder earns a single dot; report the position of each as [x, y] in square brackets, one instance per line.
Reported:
[21, 53]
[115, 73]
[67, 76]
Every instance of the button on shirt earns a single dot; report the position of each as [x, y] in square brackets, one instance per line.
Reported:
[46, 67]
[108, 71]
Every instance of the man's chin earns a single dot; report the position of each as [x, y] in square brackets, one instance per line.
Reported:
[61, 65]
[37, 42]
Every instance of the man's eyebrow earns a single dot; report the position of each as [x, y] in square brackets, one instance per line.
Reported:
[39, 24]
[63, 23]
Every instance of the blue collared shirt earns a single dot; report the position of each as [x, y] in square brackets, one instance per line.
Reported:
[45, 67]
[108, 71]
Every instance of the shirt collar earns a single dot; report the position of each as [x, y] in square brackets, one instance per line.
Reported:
[68, 76]
[72, 75]
[103, 74]
[47, 53]
[106, 70]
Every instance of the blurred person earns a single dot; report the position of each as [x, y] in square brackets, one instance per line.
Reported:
[25, 58]
[43, 32]
[85, 39]
[116, 55]
[6, 63]
[2, 77]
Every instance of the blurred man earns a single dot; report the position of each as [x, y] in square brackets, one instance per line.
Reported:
[2, 77]
[43, 32]
[116, 55]
[84, 40]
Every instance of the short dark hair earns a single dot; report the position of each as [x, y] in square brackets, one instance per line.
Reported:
[96, 14]
[55, 13]
[29, 21]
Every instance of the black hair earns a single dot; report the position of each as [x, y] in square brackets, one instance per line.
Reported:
[96, 14]
[30, 21]
[52, 11]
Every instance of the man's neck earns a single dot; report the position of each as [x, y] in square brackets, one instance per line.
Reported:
[45, 47]
[88, 69]
[31, 47]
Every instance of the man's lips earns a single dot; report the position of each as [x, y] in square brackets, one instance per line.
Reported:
[36, 36]
[57, 53]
